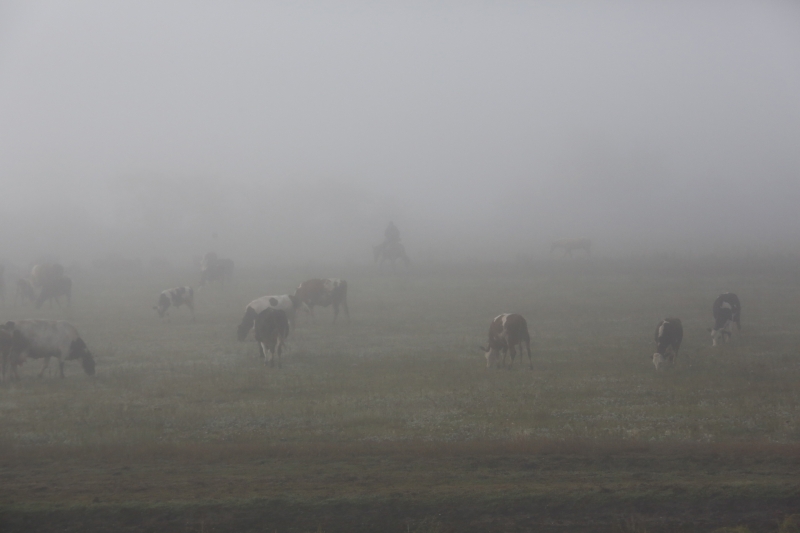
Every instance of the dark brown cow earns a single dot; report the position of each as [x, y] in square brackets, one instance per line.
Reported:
[669, 335]
[271, 330]
[324, 292]
[506, 332]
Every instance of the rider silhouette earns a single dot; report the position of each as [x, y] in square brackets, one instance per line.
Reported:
[392, 234]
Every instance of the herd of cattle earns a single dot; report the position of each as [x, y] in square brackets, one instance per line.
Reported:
[273, 317]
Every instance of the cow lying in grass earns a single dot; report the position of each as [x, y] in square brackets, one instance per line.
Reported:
[506, 332]
[43, 339]
[669, 335]
[271, 330]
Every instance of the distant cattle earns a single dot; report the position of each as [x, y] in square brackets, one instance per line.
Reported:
[391, 252]
[669, 335]
[44, 273]
[271, 330]
[43, 339]
[25, 291]
[175, 297]
[212, 268]
[506, 332]
[288, 303]
[324, 292]
[570, 245]
[727, 310]
[54, 289]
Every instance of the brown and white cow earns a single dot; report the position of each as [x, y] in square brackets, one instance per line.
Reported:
[324, 292]
[175, 297]
[43, 339]
[271, 329]
[669, 335]
[506, 332]
[289, 303]
[570, 245]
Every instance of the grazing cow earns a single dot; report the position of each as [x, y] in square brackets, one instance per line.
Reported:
[46, 272]
[727, 310]
[324, 292]
[506, 332]
[569, 245]
[54, 289]
[391, 252]
[271, 330]
[288, 303]
[669, 335]
[212, 268]
[175, 297]
[43, 339]
[25, 291]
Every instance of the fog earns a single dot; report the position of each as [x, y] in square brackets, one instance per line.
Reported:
[294, 131]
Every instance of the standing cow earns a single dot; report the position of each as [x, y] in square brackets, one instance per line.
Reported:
[271, 330]
[669, 335]
[43, 339]
[506, 332]
[212, 268]
[286, 302]
[175, 297]
[727, 310]
[324, 292]
[54, 289]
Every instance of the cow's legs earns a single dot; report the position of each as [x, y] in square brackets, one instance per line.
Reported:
[261, 352]
[528, 348]
[61, 367]
[346, 310]
[44, 366]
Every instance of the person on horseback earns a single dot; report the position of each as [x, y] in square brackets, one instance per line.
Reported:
[392, 235]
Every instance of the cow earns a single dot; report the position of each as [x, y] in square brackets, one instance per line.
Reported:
[568, 245]
[54, 289]
[391, 252]
[25, 291]
[506, 332]
[669, 335]
[175, 297]
[289, 303]
[44, 273]
[212, 268]
[271, 329]
[727, 310]
[324, 292]
[43, 339]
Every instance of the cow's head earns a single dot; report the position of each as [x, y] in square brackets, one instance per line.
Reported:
[163, 305]
[720, 334]
[78, 350]
[492, 355]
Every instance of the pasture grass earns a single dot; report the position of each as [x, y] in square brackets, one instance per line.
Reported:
[394, 414]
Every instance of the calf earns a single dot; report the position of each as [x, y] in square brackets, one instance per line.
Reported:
[669, 335]
[271, 330]
[506, 332]
[727, 310]
[54, 289]
[324, 292]
[176, 297]
[43, 339]
[287, 302]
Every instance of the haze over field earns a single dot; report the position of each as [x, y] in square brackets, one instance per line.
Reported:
[298, 130]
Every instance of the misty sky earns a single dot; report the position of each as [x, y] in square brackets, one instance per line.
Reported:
[299, 129]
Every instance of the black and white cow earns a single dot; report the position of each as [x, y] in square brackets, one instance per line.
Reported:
[54, 289]
[324, 292]
[271, 330]
[175, 297]
[289, 303]
[506, 332]
[669, 335]
[727, 311]
[43, 339]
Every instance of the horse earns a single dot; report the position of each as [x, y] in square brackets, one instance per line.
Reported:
[390, 252]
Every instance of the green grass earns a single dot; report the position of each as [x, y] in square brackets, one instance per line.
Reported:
[404, 380]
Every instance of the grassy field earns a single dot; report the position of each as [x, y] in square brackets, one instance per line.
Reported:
[391, 422]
